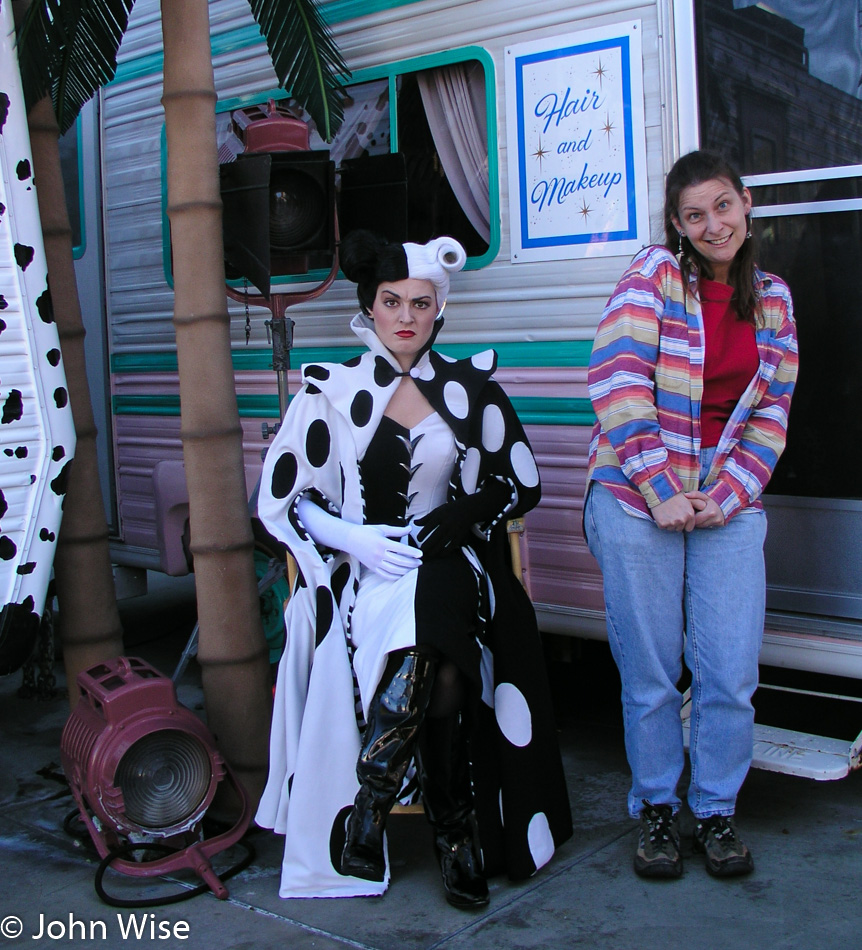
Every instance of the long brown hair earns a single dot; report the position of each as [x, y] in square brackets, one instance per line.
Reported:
[694, 169]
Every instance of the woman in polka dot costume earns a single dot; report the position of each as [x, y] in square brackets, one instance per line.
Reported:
[413, 662]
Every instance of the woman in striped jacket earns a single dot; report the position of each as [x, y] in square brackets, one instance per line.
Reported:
[691, 377]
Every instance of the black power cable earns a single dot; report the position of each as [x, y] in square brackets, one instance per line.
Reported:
[184, 895]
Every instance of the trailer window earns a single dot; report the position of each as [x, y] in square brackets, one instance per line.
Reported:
[413, 155]
[779, 95]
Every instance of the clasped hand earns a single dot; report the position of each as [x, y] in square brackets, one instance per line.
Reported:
[687, 511]
[376, 546]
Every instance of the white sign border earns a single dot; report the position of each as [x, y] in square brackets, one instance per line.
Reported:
[579, 246]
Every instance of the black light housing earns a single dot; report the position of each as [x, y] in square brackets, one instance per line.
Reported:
[279, 204]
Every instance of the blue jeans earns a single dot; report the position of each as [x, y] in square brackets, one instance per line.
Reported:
[700, 595]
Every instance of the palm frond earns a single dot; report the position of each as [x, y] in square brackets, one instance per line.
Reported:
[69, 48]
[305, 58]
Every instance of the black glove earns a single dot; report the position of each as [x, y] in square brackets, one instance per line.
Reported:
[445, 529]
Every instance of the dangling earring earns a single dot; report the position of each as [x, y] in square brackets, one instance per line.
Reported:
[748, 234]
[680, 243]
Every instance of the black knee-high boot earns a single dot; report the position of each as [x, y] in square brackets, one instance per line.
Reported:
[444, 777]
[388, 744]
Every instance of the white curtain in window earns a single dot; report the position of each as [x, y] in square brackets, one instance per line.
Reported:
[454, 101]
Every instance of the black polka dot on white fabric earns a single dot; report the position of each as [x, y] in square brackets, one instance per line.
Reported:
[53, 356]
[59, 484]
[455, 397]
[4, 505]
[317, 443]
[324, 614]
[383, 372]
[45, 307]
[540, 840]
[284, 475]
[484, 360]
[339, 581]
[317, 372]
[61, 397]
[470, 470]
[8, 548]
[361, 408]
[24, 255]
[13, 407]
[353, 361]
[524, 465]
[58, 453]
[493, 428]
[513, 714]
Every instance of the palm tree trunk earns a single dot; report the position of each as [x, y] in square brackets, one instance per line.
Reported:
[90, 624]
[232, 650]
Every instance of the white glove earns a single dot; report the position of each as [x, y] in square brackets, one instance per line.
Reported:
[371, 544]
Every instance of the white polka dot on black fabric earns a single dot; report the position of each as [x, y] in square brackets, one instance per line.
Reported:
[513, 714]
[455, 397]
[540, 840]
[493, 428]
[361, 408]
[524, 465]
[483, 360]
[470, 470]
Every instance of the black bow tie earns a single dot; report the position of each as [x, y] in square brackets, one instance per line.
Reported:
[384, 372]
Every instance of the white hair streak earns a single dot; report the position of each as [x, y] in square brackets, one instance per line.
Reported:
[434, 261]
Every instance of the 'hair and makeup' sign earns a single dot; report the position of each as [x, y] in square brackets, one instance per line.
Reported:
[577, 145]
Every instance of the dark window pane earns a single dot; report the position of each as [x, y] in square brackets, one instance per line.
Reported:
[818, 256]
[779, 87]
[432, 209]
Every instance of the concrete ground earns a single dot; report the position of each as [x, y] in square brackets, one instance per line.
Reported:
[806, 838]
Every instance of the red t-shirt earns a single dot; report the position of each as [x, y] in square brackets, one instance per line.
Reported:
[730, 359]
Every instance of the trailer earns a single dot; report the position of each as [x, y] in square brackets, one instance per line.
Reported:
[538, 134]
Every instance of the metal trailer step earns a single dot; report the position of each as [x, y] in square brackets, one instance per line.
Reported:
[796, 753]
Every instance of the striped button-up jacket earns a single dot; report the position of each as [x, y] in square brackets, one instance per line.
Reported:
[646, 386]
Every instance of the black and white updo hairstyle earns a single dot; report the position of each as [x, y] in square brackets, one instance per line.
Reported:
[368, 260]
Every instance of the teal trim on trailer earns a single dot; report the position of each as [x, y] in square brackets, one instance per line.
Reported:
[532, 410]
[549, 353]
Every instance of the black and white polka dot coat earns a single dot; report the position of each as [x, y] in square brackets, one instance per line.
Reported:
[521, 797]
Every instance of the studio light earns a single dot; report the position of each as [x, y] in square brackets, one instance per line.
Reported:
[143, 768]
[278, 197]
